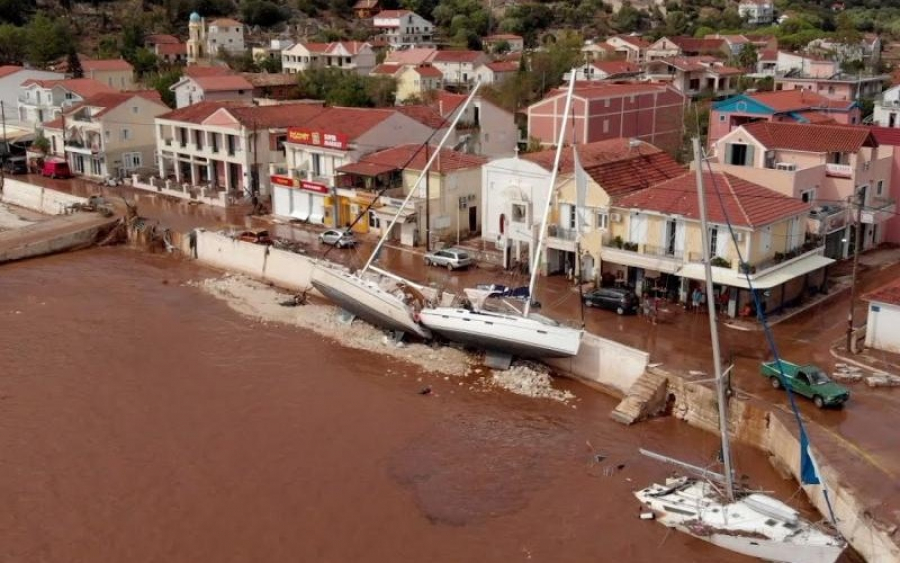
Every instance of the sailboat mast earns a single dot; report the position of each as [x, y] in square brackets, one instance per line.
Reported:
[713, 329]
[462, 109]
[536, 255]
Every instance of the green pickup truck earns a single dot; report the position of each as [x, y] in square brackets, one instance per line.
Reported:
[809, 381]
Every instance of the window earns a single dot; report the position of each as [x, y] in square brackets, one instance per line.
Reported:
[198, 139]
[606, 126]
[723, 117]
[135, 109]
[106, 135]
[671, 230]
[713, 240]
[808, 196]
[738, 154]
[602, 220]
[126, 133]
[879, 187]
[131, 160]
[519, 212]
[374, 221]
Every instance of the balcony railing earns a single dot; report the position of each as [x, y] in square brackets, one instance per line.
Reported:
[556, 231]
[663, 252]
[839, 170]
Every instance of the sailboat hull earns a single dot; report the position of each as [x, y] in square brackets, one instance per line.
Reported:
[757, 526]
[509, 334]
[367, 301]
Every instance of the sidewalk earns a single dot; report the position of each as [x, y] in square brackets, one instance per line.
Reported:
[838, 286]
[876, 361]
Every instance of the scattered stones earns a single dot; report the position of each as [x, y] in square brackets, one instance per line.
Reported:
[883, 380]
[530, 379]
[846, 374]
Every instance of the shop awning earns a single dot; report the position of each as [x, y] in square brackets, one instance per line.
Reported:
[387, 213]
[370, 169]
[635, 260]
[733, 278]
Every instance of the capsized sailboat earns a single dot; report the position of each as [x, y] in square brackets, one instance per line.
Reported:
[523, 334]
[750, 523]
[388, 302]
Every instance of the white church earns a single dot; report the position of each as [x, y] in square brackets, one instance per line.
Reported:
[206, 41]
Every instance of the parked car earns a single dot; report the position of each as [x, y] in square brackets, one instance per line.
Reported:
[808, 381]
[56, 168]
[617, 299]
[16, 165]
[256, 237]
[450, 258]
[340, 239]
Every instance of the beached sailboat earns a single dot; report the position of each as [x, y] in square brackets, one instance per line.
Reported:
[750, 523]
[504, 334]
[383, 300]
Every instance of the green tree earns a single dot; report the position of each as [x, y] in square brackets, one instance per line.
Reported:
[16, 12]
[527, 20]
[262, 13]
[269, 64]
[340, 88]
[161, 82]
[73, 64]
[748, 56]
[628, 18]
[144, 62]
[48, 40]
[12, 44]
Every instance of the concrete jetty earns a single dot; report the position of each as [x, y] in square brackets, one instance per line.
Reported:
[58, 234]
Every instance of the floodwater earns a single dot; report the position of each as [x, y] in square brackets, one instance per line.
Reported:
[142, 420]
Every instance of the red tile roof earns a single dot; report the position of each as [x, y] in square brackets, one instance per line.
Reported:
[222, 83]
[415, 56]
[389, 69]
[768, 55]
[447, 102]
[807, 137]
[261, 117]
[162, 39]
[693, 44]
[412, 157]
[201, 71]
[886, 135]
[392, 13]
[616, 67]
[171, 49]
[634, 40]
[503, 66]
[225, 22]
[6, 70]
[103, 65]
[351, 122]
[457, 56]
[84, 87]
[817, 117]
[600, 90]
[263, 79]
[746, 204]
[889, 294]
[795, 100]
[425, 115]
[196, 113]
[428, 71]
[615, 164]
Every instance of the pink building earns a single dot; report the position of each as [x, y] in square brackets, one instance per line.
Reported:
[788, 106]
[890, 137]
[840, 86]
[822, 165]
[650, 112]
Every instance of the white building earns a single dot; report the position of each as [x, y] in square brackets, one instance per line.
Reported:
[109, 134]
[357, 56]
[757, 12]
[306, 187]
[206, 41]
[43, 100]
[11, 78]
[887, 108]
[884, 318]
[402, 29]
[458, 67]
[228, 87]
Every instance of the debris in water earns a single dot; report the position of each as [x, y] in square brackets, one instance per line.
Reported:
[425, 390]
[598, 458]
[883, 380]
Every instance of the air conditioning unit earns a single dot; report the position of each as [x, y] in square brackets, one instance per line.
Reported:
[739, 236]
[787, 166]
[615, 217]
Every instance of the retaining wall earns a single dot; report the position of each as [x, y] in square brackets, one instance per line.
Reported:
[37, 198]
[776, 433]
[605, 363]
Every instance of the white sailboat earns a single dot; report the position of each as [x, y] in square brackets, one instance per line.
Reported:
[750, 523]
[383, 300]
[511, 334]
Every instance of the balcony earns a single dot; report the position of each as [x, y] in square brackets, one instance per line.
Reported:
[825, 219]
[839, 170]
[643, 256]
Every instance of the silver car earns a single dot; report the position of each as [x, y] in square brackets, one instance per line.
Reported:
[450, 258]
[340, 239]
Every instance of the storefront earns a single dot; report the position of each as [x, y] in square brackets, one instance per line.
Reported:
[299, 199]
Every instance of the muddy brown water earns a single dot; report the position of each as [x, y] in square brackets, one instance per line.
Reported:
[142, 420]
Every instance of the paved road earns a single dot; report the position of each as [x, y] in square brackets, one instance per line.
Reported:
[864, 426]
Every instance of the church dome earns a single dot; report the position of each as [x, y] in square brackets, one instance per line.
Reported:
[195, 17]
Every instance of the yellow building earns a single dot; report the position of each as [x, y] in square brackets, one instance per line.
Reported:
[656, 242]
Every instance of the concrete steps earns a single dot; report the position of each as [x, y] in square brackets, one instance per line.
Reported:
[645, 398]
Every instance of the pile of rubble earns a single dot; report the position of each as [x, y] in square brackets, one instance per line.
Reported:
[846, 373]
[267, 304]
[530, 379]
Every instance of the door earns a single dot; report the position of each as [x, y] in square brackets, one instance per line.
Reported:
[473, 219]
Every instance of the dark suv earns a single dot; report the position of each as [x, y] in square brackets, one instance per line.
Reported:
[620, 300]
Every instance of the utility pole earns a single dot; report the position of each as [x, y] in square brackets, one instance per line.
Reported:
[428, 204]
[858, 194]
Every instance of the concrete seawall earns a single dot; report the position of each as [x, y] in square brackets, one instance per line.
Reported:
[36, 198]
[854, 500]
